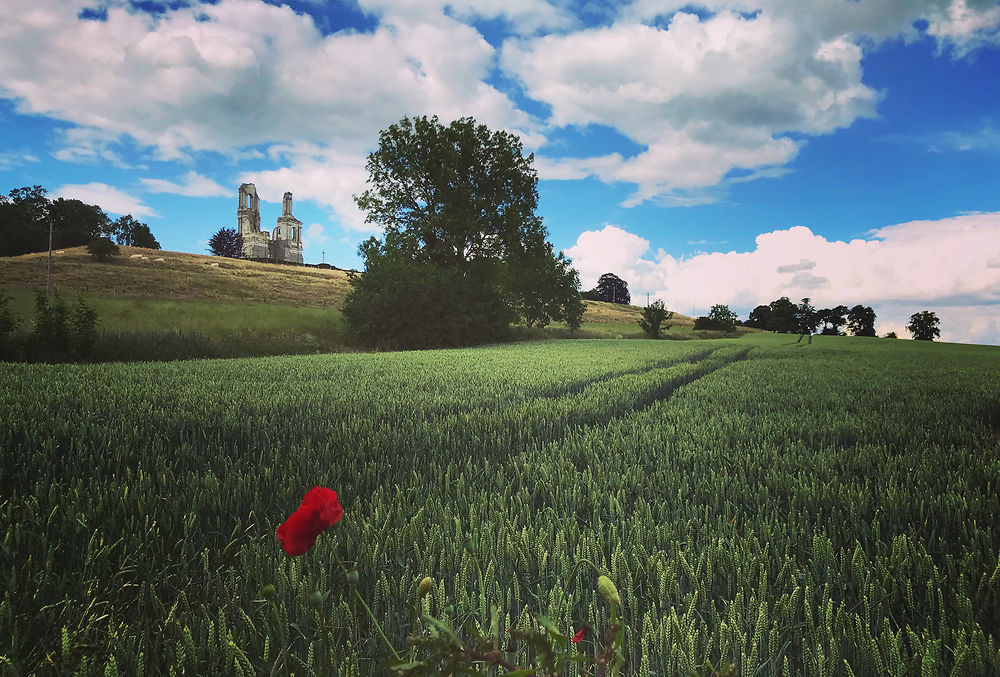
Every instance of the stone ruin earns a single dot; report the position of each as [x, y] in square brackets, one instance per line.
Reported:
[284, 245]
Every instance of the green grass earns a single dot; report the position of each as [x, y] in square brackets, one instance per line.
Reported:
[824, 509]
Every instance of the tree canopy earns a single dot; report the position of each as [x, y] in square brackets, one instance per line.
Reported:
[861, 321]
[26, 215]
[781, 315]
[653, 317]
[924, 326]
[226, 242]
[462, 253]
[613, 289]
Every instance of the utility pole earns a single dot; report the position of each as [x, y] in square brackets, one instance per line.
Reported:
[48, 275]
[324, 255]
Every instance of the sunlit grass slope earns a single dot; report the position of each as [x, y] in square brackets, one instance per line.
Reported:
[824, 509]
[195, 305]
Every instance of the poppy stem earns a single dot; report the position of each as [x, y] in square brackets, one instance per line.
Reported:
[367, 610]
[572, 574]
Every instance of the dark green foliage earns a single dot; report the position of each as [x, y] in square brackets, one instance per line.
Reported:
[720, 318]
[653, 317]
[832, 320]
[891, 334]
[591, 295]
[543, 287]
[129, 232]
[806, 317]
[613, 289]
[50, 333]
[26, 215]
[8, 323]
[83, 328]
[457, 205]
[924, 326]
[400, 303]
[59, 333]
[102, 248]
[226, 242]
[780, 315]
[75, 223]
[861, 321]
[24, 221]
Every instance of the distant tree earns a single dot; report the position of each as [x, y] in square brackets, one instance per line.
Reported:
[891, 334]
[591, 295]
[806, 319]
[861, 321]
[653, 317]
[132, 233]
[613, 289]
[758, 317]
[833, 319]
[226, 242]
[102, 248]
[75, 223]
[924, 326]
[24, 221]
[722, 317]
[779, 316]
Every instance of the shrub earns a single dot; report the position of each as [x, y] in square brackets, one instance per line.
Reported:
[102, 248]
[399, 303]
[653, 317]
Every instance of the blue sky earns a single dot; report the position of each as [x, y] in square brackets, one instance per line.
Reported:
[725, 151]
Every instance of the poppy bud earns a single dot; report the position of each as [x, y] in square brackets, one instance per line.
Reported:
[353, 577]
[608, 591]
[267, 592]
[425, 586]
[316, 598]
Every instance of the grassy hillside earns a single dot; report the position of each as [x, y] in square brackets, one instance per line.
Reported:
[792, 509]
[206, 306]
[138, 273]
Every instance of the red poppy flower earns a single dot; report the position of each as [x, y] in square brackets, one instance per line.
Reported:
[318, 511]
[578, 636]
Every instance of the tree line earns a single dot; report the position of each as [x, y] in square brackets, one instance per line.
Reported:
[27, 216]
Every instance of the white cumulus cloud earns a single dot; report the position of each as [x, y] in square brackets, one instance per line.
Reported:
[947, 265]
[704, 96]
[108, 198]
[192, 185]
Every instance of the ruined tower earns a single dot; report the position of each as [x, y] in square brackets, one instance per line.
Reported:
[256, 243]
[286, 243]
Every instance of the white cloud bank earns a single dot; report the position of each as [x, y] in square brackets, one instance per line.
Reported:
[238, 74]
[193, 185]
[108, 198]
[726, 96]
[949, 266]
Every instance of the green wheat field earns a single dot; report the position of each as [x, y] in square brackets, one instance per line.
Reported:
[792, 509]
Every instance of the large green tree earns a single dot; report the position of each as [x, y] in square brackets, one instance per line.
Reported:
[457, 207]
[781, 315]
[861, 320]
[613, 289]
[924, 326]
[131, 232]
[26, 215]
